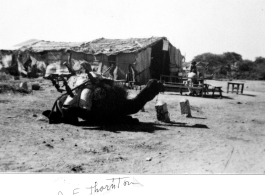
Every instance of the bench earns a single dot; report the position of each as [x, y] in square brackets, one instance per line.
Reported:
[171, 79]
[177, 84]
[174, 87]
[172, 83]
[184, 88]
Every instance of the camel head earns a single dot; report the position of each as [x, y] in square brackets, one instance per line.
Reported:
[153, 87]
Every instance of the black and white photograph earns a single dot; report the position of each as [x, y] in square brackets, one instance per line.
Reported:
[131, 87]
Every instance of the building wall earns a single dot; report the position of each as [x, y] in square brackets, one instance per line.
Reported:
[123, 60]
[143, 60]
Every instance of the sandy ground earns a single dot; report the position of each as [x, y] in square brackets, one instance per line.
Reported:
[223, 136]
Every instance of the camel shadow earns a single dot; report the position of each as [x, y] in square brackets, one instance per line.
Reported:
[117, 128]
[139, 127]
[128, 123]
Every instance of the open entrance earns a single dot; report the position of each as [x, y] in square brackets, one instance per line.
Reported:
[159, 61]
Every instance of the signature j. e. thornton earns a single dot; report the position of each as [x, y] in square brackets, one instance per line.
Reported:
[96, 188]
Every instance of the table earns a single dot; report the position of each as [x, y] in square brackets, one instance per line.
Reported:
[237, 86]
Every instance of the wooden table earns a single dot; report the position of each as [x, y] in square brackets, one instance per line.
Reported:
[235, 88]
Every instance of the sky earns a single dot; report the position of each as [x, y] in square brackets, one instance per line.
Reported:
[193, 26]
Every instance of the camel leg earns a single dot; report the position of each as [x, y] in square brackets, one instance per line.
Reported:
[69, 113]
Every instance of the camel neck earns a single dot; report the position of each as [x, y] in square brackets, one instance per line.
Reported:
[137, 103]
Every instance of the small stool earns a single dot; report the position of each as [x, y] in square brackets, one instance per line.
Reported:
[217, 88]
[206, 88]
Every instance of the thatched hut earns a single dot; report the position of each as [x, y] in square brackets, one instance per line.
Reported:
[150, 57]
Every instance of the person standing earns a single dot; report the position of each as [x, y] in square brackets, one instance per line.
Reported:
[193, 67]
[192, 77]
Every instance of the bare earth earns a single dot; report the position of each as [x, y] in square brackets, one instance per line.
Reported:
[224, 136]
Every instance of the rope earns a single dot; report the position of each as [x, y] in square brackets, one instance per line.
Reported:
[142, 71]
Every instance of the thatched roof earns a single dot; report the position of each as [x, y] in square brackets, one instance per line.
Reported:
[97, 46]
[28, 42]
[115, 46]
[41, 45]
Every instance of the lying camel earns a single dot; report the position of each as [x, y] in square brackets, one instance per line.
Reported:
[110, 103]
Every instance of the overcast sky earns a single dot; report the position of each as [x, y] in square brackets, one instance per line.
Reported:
[193, 26]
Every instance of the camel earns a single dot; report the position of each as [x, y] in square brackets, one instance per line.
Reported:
[110, 104]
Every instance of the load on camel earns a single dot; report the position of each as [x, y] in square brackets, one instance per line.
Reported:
[96, 99]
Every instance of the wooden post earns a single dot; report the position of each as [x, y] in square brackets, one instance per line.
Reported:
[162, 112]
[185, 107]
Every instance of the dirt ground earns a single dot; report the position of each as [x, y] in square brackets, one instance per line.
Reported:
[223, 136]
